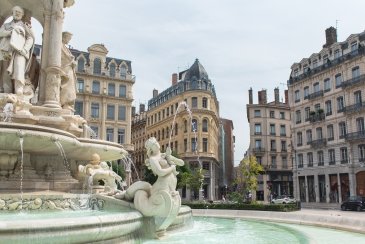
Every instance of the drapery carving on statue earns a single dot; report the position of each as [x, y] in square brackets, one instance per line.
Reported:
[16, 45]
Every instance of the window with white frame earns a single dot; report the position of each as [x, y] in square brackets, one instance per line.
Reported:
[355, 72]
[320, 158]
[361, 152]
[110, 134]
[111, 89]
[310, 159]
[331, 156]
[343, 154]
[330, 132]
[297, 96]
[306, 92]
[338, 80]
[328, 105]
[80, 85]
[327, 85]
[342, 129]
[358, 98]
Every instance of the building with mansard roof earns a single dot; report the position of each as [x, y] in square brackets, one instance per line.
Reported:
[328, 132]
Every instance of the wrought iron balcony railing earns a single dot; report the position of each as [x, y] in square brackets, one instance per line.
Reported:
[358, 107]
[318, 143]
[315, 95]
[359, 80]
[355, 136]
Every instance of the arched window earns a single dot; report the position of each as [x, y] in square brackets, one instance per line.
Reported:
[205, 125]
[123, 72]
[112, 70]
[81, 65]
[185, 126]
[97, 66]
[194, 125]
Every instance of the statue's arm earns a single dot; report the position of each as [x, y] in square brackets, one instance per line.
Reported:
[158, 170]
[3, 32]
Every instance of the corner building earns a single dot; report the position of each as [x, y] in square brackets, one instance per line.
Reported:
[195, 88]
[325, 97]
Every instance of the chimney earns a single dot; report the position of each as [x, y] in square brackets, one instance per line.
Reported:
[141, 108]
[133, 111]
[250, 98]
[276, 94]
[174, 79]
[155, 93]
[286, 96]
[262, 97]
[331, 36]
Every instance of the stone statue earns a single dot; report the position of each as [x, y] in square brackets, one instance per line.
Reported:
[97, 170]
[16, 47]
[161, 200]
[68, 80]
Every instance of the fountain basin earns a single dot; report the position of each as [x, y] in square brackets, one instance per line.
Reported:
[40, 140]
[115, 222]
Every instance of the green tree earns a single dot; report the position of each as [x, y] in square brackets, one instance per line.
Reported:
[246, 180]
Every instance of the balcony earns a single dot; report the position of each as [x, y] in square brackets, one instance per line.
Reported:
[318, 143]
[258, 150]
[360, 80]
[258, 133]
[316, 117]
[344, 161]
[355, 108]
[355, 136]
[315, 95]
[331, 63]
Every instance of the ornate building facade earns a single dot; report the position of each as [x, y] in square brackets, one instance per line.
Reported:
[104, 93]
[139, 137]
[194, 139]
[270, 142]
[325, 97]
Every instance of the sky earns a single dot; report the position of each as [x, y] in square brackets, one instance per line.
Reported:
[240, 43]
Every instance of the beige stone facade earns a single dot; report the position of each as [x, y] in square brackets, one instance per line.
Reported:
[270, 142]
[325, 97]
[104, 94]
[139, 137]
[194, 88]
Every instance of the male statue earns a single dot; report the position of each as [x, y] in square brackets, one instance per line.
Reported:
[16, 47]
[68, 80]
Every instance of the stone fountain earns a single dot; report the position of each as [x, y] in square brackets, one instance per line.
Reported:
[46, 155]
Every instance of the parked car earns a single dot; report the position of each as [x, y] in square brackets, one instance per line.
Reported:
[283, 199]
[354, 203]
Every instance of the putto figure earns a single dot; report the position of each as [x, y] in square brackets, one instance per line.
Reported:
[16, 47]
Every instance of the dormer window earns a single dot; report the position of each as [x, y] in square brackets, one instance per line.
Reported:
[123, 72]
[81, 65]
[112, 70]
[353, 46]
[337, 53]
[296, 73]
[305, 68]
[97, 66]
[315, 63]
[325, 59]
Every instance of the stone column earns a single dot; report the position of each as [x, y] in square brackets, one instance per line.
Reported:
[306, 190]
[328, 183]
[339, 188]
[53, 69]
[316, 187]
[352, 182]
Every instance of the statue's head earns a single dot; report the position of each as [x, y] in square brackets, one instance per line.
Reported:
[66, 37]
[18, 13]
[152, 145]
[95, 159]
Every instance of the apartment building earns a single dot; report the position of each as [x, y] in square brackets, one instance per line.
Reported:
[270, 142]
[194, 137]
[325, 98]
[104, 93]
